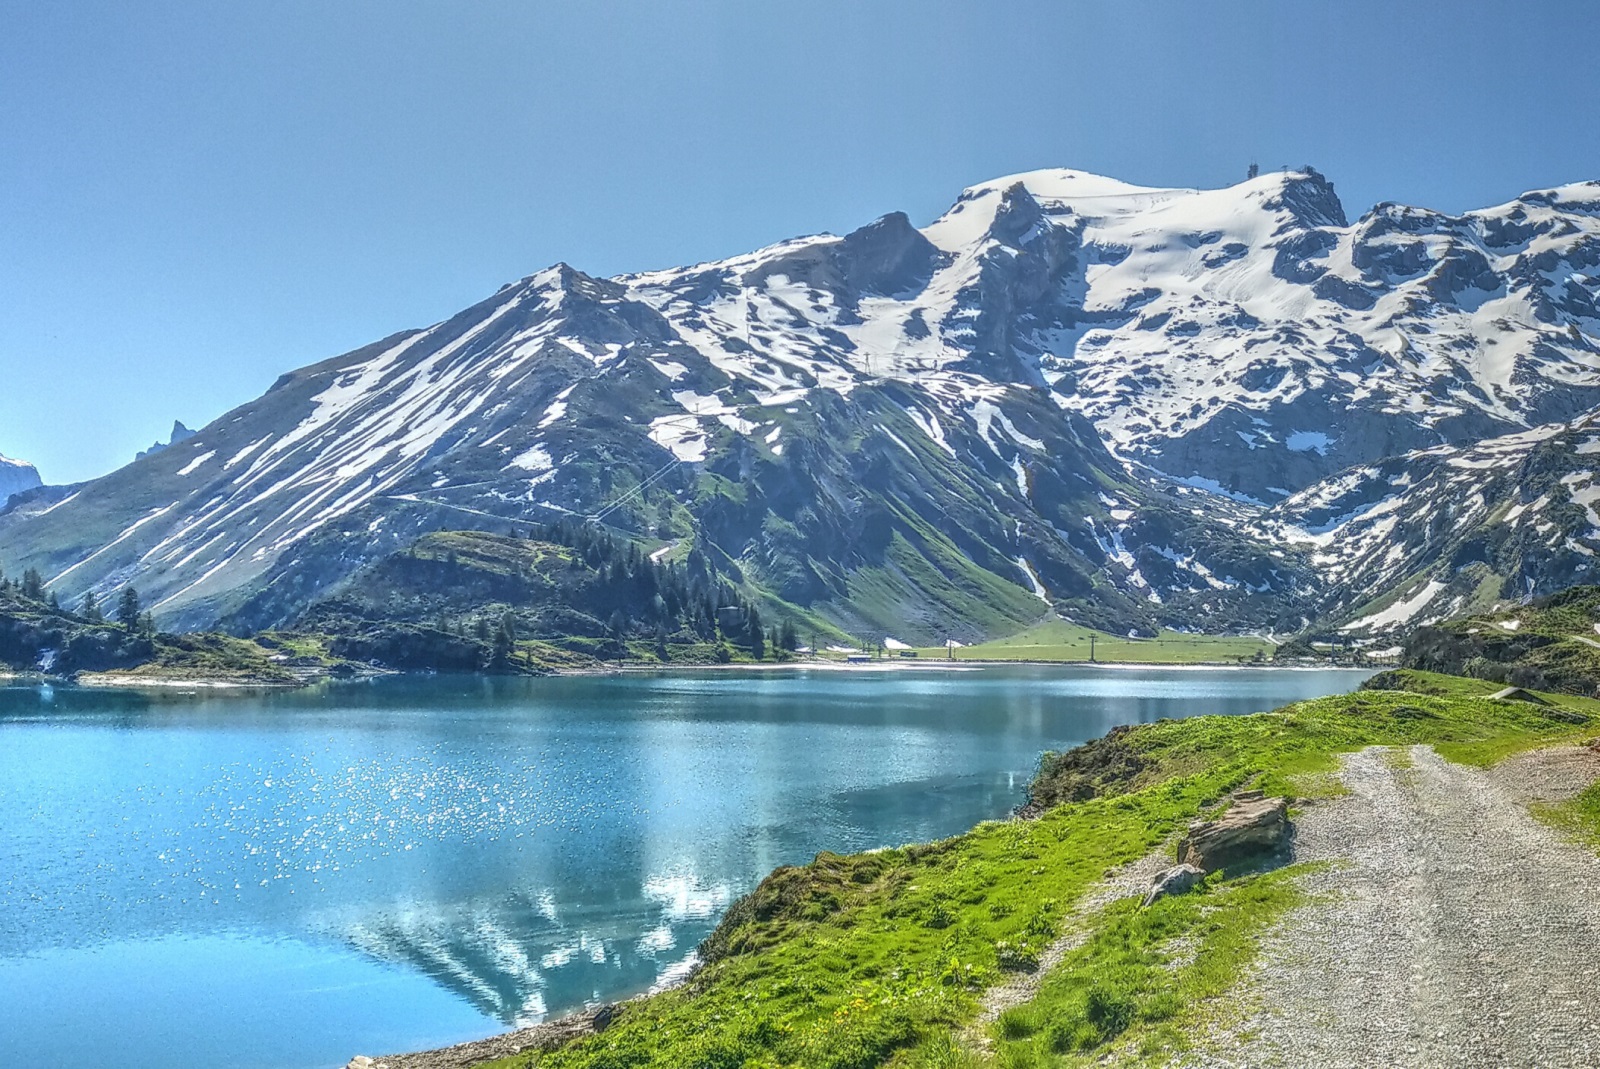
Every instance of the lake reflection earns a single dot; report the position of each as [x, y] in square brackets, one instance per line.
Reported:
[409, 862]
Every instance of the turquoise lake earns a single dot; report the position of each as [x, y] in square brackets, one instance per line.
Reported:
[284, 880]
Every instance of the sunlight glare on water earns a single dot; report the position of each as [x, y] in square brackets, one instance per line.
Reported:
[287, 879]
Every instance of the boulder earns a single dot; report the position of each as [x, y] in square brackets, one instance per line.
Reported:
[1173, 881]
[1253, 825]
[1517, 694]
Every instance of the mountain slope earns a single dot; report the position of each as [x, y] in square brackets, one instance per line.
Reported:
[562, 395]
[1445, 531]
[902, 429]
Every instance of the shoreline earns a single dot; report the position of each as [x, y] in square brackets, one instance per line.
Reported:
[972, 664]
[125, 680]
[130, 681]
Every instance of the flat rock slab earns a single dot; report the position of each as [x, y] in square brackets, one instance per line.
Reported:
[1450, 929]
[1252, 826]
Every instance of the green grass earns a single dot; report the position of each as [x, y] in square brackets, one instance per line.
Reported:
[1058, 640]
[209, 657]
[880, 959]
[1143, 978]
[1578, 817]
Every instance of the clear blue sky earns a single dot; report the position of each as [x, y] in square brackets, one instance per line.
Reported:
[196, 197]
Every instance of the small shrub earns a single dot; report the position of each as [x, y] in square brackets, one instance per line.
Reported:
[943, 1052]
[1110, 1011]
[1017, 1023]
[1064, 1037]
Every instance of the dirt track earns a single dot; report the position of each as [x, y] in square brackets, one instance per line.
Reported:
[1450, 929]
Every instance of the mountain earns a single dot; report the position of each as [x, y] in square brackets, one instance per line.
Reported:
[1065, 390]
[1249, 340]
[16, 476]
[1450, 530]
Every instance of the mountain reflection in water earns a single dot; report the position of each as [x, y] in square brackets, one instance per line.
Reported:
[416, 861]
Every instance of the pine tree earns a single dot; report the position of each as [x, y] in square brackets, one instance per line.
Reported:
[505, 639]
[789, 639]
[33, 585]
[90, 609]
[128, 608]
[758, 640]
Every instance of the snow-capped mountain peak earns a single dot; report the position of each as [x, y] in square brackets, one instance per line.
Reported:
[1243, 344]
[15, 477]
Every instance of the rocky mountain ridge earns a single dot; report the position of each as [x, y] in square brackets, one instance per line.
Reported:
[1135, 406]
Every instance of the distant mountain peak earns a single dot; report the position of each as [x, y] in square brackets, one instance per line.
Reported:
[179, 433]
[16, 476]
[1309, 195]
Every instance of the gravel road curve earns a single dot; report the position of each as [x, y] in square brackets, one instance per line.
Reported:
[1451, 928]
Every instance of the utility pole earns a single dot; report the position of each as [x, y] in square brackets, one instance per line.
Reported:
[1091, 647]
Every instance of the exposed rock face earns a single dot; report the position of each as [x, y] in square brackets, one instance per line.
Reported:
[1252, 826]
[1174, 881]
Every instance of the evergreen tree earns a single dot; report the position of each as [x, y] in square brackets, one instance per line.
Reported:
[90, 609]
[789, 639]
[505, 639]
[128, 608]
[758, 640]
[33, 585]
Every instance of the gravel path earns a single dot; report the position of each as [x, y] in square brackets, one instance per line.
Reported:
[1451, 928]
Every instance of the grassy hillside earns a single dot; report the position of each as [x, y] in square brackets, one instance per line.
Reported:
[570, 594]
[1059, 640]
[1552, 643]
[881, 959]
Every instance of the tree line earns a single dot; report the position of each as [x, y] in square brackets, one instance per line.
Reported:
[638, 597]
[128, 612]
